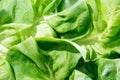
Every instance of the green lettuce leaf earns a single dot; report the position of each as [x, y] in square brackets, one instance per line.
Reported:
[24, 12]
[6, 72]
[108, 69]
[46, 62]
[14, 33]
[59, 39]
[7, 11]
[71, 22]
[77, 75]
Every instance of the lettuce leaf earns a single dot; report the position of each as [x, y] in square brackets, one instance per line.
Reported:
[77, 75]
[59, 39]
[45, 62]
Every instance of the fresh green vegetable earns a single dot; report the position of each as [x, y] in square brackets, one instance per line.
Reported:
[76, 75]
[46, 62]
[109, 71]
[59, 39]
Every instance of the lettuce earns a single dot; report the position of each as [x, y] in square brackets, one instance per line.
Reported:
[77, 75]
[46, 62]
[109, 71]
[59, 39]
